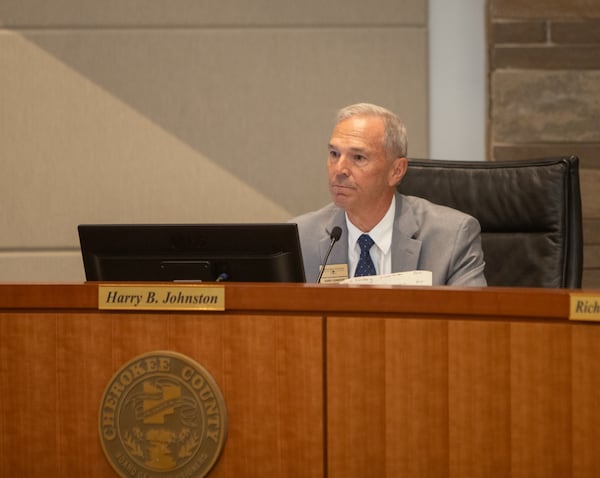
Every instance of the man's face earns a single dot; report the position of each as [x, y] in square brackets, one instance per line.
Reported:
[361, 175]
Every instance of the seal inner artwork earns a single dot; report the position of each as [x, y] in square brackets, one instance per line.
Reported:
[179, 433]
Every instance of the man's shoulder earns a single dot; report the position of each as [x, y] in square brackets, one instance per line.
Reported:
[423, 207]
[315, 217]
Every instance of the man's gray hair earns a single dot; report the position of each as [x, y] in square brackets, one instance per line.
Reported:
[394, 136]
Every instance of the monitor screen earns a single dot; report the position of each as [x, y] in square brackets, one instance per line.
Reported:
[191, 252]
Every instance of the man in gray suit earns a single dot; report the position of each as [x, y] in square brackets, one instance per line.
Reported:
[383, 231]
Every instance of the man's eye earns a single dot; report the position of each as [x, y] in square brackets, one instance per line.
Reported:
[359, 157]
[333, 154]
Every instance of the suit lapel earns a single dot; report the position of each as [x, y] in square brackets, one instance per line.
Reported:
[339, 253]
[405, 249]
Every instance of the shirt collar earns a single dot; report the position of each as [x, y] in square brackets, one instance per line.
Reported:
[381, 233]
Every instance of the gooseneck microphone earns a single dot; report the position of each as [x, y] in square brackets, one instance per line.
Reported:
[335, 235]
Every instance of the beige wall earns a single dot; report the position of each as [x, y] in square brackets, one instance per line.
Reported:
[184, 111]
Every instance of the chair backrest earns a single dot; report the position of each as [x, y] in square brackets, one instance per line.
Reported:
[529, 211]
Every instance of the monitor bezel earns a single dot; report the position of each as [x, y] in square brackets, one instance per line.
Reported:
[240, 252]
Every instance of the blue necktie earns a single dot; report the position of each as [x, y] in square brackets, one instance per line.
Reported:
[365, 266]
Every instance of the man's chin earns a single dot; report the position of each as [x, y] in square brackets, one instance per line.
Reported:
[340, 200]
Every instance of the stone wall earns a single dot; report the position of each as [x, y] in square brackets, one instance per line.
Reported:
[544, 91]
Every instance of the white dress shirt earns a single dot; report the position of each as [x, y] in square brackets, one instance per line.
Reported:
[381, 252]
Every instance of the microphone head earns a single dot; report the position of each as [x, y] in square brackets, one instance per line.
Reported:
[336, 233]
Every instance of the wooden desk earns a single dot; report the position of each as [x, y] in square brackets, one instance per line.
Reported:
[330, 381]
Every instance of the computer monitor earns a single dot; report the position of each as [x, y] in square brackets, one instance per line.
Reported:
[191, 252]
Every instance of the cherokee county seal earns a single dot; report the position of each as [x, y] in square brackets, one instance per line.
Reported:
[162, 414]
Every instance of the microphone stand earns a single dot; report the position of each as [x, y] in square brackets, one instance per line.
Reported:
[335, 235]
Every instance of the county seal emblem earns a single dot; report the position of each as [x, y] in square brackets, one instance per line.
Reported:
[162, 414]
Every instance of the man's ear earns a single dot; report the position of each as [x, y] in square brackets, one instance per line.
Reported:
[398, 170]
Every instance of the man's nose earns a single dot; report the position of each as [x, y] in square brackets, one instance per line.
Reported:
[342, 166]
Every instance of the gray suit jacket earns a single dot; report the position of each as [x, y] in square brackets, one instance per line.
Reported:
[426, 236]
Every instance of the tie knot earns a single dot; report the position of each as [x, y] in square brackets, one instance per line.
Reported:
[365, 242]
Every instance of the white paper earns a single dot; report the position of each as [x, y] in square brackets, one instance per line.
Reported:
[397, 278]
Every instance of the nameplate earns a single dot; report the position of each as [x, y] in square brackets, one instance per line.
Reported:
[334, 273]
[584, 307]
[160, 297]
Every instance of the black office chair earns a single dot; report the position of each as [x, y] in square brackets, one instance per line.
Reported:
[529, 211]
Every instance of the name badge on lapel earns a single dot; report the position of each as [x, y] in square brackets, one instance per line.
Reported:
[334, 273]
